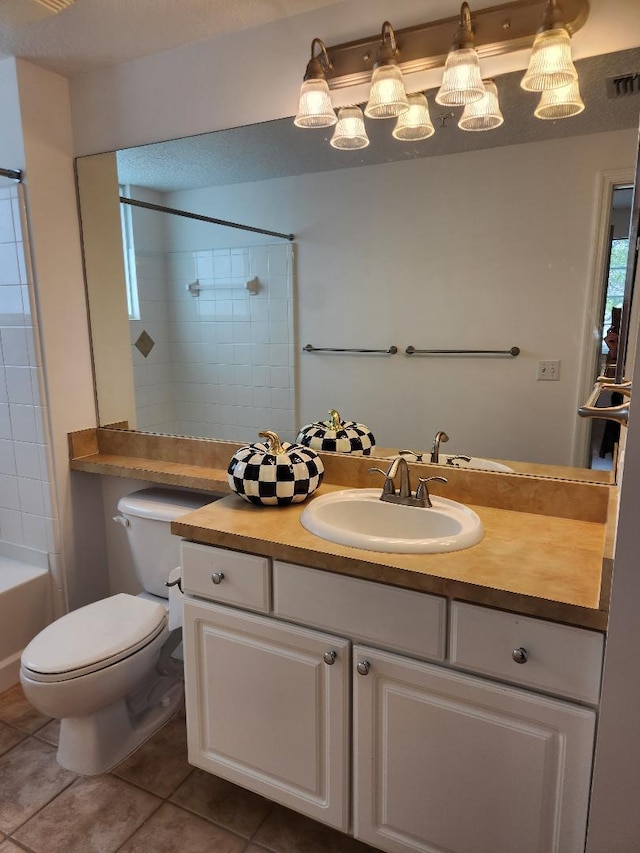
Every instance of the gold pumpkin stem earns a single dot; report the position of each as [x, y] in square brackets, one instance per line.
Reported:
[274, 445]
[335, 422]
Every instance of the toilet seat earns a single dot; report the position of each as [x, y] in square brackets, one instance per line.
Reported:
[93, 637]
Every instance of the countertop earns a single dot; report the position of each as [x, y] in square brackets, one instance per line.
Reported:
[546, 552]
[526, 563]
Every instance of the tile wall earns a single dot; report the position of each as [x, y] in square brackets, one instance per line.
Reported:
[227, 353]
[28, 523]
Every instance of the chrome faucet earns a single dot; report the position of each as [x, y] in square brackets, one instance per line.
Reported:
[404, 496]
[435, 447]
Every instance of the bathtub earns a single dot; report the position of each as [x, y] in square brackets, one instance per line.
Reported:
[25, 609]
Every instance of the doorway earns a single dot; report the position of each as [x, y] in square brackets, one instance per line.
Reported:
[604, 433]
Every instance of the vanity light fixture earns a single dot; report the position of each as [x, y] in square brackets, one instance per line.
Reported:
[383, 59]
[563, 102]
[314, 107]
[416, 122]
[462, 82]
[484, 114]
[387, 97]
[550, 65]
[350, 133]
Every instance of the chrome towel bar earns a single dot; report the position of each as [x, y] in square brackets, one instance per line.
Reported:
[514, 351]
[391, 351]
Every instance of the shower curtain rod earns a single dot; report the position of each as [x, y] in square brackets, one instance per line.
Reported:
[149, 206]
[14, 174]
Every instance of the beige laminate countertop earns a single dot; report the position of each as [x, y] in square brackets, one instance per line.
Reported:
[527, 563]
[546, 552]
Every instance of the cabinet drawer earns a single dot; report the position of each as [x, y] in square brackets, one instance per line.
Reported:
[401, 619]
[555, 658]
[242, 579]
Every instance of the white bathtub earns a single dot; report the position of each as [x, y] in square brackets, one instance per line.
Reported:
[25, 609]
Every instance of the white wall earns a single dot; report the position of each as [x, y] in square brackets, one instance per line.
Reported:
[53, 225]
[254, 75]
[483, 250]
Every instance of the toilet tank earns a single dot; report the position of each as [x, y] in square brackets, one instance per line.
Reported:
[148, 514]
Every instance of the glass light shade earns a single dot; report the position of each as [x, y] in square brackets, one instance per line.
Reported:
[462, 81]
[387, 97]
[350, 132]
[314, 107]
[416, 122]
[550, 65]
[483, 114]
[562, 102]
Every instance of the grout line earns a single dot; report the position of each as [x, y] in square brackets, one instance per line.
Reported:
[138, 828]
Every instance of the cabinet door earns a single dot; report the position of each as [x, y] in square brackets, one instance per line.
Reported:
[449, 763]
[268, 706]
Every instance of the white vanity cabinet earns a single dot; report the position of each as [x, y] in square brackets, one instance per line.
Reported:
[343, 679]
[448, 762]
[268, 708]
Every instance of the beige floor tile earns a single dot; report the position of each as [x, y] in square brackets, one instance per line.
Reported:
[223, 802]
[15, 710]
[172, 829]
[31, 777]
[9, 847]
[285, 831]
[50, 732]
[94, 815]
[160, 765]
[9, 737]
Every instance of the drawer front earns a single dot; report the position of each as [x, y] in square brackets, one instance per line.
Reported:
[400, 619]
[538, 654]
[230, 577]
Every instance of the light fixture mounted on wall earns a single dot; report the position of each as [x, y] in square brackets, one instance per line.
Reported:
[383, 59]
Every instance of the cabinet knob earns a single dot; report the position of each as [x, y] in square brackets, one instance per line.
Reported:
[330, 658]
[520, 655]
[217, 577]
[363, 667]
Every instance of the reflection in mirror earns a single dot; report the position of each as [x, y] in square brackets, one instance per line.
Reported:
[430, 244]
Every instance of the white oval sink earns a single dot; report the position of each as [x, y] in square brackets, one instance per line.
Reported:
[357, 517]
[476, 462]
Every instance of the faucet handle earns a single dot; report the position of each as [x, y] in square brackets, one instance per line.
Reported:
[451, 460]
[389, 487]
[422, 492]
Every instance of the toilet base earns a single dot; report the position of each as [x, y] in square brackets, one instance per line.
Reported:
[98, 742]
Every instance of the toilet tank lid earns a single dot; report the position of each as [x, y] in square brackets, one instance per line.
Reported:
[163, 504]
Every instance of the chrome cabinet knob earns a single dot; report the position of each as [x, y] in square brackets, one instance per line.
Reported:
[520, 655]
[217, 577]
[330, 658]
[363, 667]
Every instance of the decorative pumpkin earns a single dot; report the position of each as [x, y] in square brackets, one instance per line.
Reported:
[274, 473]
[336, 435]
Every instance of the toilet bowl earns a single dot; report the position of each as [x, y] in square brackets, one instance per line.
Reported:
[105, 669]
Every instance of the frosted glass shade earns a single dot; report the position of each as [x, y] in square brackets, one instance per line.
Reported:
[315, 108]
[350, 132]
[416, 122]
[462, 81]
[483, 114]
[387, 97]
[550, 65]
[562, 102]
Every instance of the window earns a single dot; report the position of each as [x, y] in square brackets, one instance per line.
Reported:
[131, 279]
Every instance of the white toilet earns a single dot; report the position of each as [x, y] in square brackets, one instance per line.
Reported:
[99, 669]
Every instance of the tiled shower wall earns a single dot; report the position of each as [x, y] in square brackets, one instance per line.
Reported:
[28, 525]
[231, 352]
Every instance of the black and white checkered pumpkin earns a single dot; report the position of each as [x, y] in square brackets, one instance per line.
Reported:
[337, 436]
[275, 473]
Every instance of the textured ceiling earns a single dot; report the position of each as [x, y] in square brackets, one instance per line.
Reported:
[94, 33]
[277, 149]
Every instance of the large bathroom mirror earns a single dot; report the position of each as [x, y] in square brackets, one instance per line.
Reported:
[477, 242]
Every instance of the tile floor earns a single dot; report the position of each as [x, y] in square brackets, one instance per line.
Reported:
[154, 802]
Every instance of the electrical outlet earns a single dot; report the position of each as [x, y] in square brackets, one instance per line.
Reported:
[548, 370]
